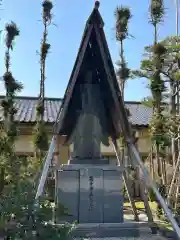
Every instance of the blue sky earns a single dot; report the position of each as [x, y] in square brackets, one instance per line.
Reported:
[70, 17]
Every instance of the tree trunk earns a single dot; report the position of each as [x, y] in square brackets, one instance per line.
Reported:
[2, 179]
[177, 193]
[176, 170]
[163, 167]
[159, 170]
[173, 112]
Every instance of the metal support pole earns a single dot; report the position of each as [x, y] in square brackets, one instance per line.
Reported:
[45, 169]
[150, 183]
[177, 17]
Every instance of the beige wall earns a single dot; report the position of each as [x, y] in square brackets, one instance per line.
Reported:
[106, 150]
[143, 144]
[144, 141]
[24, 146]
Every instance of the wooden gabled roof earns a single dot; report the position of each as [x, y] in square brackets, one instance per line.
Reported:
[94, 41]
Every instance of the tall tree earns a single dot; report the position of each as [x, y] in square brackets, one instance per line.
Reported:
[157, 84]
[9, 131]
[41, 137]
[151, 68]
[123, 15]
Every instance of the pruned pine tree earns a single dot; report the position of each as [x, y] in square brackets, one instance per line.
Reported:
[122, 16]
[151, 69]
[172, 77]
[41, 137]
[9, 163]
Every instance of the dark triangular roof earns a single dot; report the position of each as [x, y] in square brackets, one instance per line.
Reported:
[94, 32]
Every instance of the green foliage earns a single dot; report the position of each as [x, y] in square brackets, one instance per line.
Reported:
[159, 49]
[177, 75]
[152, 68]
[157, 86]
[11, 85]
[158, 130]
[47, 7]
[5, 146]
[148, 102]
[12, 132]
[162, 191]
[124, 192]
[156, 11]
[173, 126]
[41, 137]
[152, 196]
[123, 15]
[44, 50]
[159, 211]
[19, 219]
[40, 109]
[177, 211]
[12, 31]
[8, 133]
[122, 72]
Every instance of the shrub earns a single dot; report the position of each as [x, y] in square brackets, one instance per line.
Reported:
[19, 219]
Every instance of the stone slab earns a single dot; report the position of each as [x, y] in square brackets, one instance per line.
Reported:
[113, 200]
[92, 193]
[68, 193]
[91, 201]
[86, 166]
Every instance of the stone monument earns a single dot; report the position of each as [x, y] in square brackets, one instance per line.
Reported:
[88, 186]
[90, 129]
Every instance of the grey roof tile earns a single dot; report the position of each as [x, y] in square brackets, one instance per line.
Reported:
[140, 115]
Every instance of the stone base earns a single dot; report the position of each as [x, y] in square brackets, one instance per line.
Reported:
[125, 230]
[88, 161]
[91, 193]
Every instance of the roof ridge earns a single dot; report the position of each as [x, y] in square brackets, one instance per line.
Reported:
[34, 98]
[60, 99]
[139, 117]
[133, 102]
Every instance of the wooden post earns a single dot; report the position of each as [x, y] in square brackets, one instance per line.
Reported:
[144, 196]
[126, 183]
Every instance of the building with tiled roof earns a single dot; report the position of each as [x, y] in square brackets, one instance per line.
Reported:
[140, 116]
[93, 57]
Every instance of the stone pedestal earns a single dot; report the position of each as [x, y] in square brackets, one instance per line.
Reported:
[91, 193]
